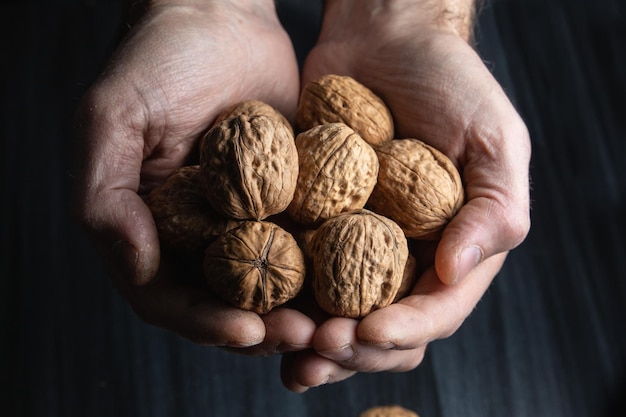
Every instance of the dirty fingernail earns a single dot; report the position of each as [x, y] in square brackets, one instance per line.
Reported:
[383, 345]
[345, 353]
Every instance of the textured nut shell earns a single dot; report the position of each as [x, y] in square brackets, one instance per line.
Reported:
[358, 262]
[305, 241]
[250, 167]
[338, 171]
[418, 187]
[252, 108]
[183, 216]
[256, 266]
[388, 411]
[335, 98]
[409, 278]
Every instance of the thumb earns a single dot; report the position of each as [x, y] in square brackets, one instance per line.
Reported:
[122, 229]
[495, 218]
[480, 229]
[105, 200]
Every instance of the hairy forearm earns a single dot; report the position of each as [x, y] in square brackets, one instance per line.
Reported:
[460, 15]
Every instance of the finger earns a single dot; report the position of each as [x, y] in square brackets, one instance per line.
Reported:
[287, 377]
[192, 312]
[496, 216]
[338, 340]
[433, 311]
[303, 370]
[286, 330]
[109, 157]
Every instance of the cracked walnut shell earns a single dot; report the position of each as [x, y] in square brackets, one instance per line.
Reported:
[338, 171]
[256, 266]
[336, 98]
[359, 259]
[418, 187]
[250, 166]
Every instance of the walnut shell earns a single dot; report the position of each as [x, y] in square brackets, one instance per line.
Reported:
[256, 266]
[358, 263]
[305, 241]
[338, 171]
[409, 278]
[335, 98]
[250, 166]
[388, 411]
[418, 187]
[184, 218]
[252, 108]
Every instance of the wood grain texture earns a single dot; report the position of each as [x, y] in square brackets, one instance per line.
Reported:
[547, 339]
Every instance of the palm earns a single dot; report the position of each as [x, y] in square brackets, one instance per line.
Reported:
[438, 90]
[430, 85]
[175, 71]
[184, 68]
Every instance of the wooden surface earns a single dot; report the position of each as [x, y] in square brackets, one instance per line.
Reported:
[547, 339]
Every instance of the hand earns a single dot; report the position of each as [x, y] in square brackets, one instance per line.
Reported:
[438, 90]
[178, 67]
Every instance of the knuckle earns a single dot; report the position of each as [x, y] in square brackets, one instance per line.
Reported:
[415, 359]
[451, 329]
[517, 227]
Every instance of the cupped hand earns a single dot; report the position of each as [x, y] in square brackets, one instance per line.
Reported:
[439, 91]
[178, 67]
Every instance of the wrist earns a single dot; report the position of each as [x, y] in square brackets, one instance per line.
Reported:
[399, 16]
[261, 8]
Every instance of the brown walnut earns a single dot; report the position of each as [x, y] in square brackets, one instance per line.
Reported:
[337, 173]
[409, 278]
[250, 166]
[256, 266]
[335, 98]
[185, 220]
[252, 108]
[388, 411]
[358, 262]
[418, 187]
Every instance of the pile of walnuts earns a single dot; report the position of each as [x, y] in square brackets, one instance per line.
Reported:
[331, 206]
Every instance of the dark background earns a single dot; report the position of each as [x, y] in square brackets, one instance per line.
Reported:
[547, 339]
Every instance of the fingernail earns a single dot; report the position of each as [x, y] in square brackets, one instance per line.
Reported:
[285, 347]
[324, 382]
[242, 344]
[383, 345]
[343, 354]
[468, 259]
[125, 259]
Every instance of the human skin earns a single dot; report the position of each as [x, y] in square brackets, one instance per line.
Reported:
[185, 60]
[417, 57]
[179, 66]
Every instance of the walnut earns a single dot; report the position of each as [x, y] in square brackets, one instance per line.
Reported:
[388, 411]
[409, 278]
[252, 108]
[418, 187]
[250, 166]
[338, 171]
[305, 241]
[185, 220]
[335, 98]
[358, 263]
[256, 266]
